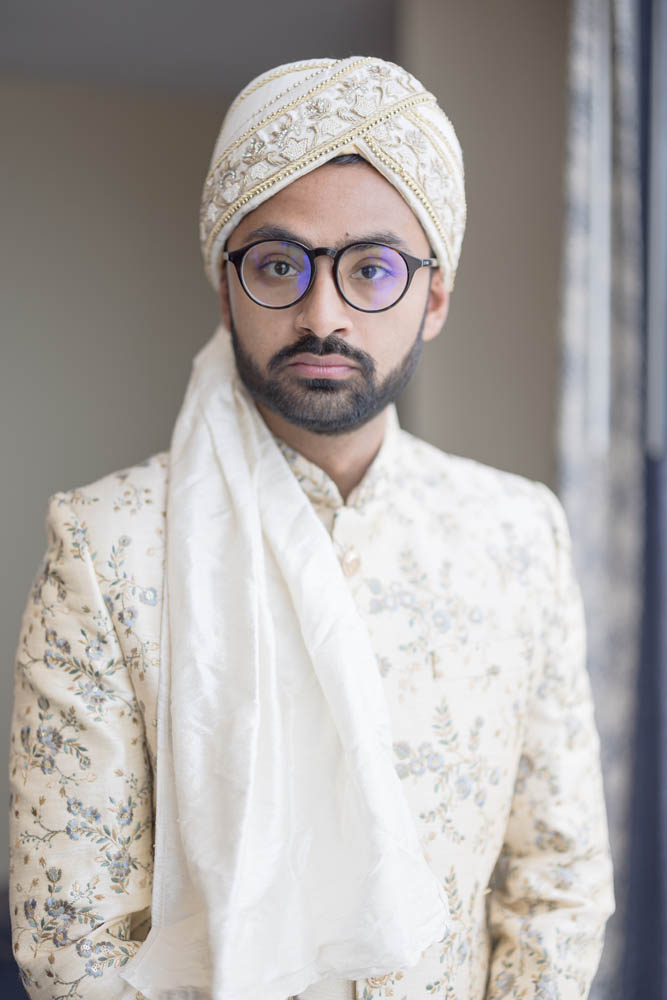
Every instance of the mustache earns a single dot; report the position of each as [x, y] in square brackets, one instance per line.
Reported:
[310, 344]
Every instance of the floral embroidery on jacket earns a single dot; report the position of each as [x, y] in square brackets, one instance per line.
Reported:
[463, 576]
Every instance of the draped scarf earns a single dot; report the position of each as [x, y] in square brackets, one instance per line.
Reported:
[285, 851]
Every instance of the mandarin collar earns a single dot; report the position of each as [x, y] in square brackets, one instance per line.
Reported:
[321, 489]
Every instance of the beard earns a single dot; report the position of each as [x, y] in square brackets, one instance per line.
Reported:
[325, 406]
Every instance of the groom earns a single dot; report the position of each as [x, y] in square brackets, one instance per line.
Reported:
[343, 684]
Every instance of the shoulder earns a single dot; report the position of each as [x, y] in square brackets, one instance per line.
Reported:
[136, 490]
[479, 492]
[121, 509]
[109, 536]
[133, 488]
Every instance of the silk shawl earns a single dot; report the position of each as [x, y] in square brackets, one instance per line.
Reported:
[285, 851]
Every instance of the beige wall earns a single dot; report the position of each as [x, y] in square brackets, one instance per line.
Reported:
[102, 302]
[488, 383]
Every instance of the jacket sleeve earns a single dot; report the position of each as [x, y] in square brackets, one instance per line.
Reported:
[80, 785]
[553, 888]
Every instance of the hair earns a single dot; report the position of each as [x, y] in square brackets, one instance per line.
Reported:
[346, 158]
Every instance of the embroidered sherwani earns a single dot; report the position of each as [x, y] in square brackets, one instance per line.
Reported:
[463, 576]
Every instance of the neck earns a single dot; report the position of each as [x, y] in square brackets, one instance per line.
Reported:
[344, 457]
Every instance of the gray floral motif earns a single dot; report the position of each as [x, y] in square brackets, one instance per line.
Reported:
[47, 745]
[458, 771]
[58, 917]
[121, 590]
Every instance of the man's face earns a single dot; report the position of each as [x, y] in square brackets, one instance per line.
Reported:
[321, 364]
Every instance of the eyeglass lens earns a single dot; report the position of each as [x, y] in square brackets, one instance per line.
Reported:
[370, 276]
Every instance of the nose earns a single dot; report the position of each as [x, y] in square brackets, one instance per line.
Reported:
[323, 311]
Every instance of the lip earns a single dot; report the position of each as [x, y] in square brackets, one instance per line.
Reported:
[328, 366]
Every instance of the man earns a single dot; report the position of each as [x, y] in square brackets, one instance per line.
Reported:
[342, 684]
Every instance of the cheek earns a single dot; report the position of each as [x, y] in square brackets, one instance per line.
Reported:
[237, 301]
[262, 332]
[394, 337]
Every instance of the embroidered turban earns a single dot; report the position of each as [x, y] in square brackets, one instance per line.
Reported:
[293, 119]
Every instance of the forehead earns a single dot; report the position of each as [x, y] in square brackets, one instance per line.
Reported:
[333, 203]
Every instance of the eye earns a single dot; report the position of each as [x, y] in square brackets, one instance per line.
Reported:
[279, 268]
[372, 271]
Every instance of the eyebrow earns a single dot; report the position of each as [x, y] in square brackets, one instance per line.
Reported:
[387, 237]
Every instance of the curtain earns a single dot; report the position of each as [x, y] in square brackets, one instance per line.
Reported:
[600, 444]
[645, 965]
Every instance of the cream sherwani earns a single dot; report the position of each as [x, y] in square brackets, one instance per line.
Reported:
[463, 576]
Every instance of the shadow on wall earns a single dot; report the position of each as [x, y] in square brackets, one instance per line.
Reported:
[10, 981]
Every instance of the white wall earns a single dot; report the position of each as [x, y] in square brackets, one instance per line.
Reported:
[488, 383]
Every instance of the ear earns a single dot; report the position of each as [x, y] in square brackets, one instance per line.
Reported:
[223, 295]
[436, 308]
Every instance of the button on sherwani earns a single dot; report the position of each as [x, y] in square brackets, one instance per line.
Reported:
[463, 576]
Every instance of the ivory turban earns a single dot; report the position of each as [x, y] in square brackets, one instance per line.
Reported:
[292, 119]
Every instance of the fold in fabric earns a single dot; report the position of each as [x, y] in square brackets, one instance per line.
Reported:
[285, 851]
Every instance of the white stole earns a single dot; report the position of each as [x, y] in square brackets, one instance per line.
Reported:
[285, 851]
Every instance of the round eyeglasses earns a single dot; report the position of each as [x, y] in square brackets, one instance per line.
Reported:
[370, 277]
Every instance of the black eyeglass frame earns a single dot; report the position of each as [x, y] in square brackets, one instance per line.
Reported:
[413, 265]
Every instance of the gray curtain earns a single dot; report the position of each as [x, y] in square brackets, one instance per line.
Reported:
[600, 421]
[645, 963]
